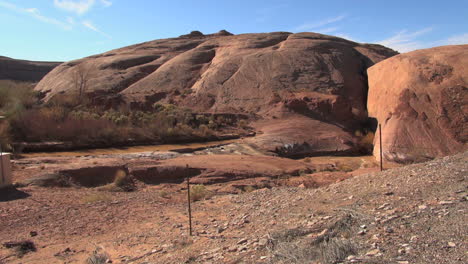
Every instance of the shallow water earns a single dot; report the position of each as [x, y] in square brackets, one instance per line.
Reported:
[126, 150]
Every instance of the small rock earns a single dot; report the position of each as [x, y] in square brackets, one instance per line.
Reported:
[451, 244]
[242, 241]
[232, 249]
[373, 252]
[445, 202]
[263, 242]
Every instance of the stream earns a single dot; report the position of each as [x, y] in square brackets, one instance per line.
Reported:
[132, 149]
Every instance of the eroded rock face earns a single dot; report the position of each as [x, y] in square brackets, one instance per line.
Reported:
[25, 71]
[421, 100]
[274, 76]
[211, 169]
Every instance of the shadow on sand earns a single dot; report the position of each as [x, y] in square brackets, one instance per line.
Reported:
[8, 194]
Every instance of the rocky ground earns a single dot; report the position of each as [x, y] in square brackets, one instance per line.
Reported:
[412, 214]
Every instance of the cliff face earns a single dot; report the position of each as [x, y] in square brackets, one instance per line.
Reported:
[421, 100]
[25, 71]
[315, 81]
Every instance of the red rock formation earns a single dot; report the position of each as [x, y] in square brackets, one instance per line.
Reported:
[26, 71]
[279, 77]
[421, 100]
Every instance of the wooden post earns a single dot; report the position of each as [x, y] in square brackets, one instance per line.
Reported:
[1, 158]
[381, 153]
[189, 201]
[1, 165]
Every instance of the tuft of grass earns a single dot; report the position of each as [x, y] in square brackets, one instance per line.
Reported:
[336, 250]
[249, 188]
[96, 197]
[121, 178]
[164, 194]
[367, 139]
[346, 167]
[99, 256]
[199, 192]
[122, 183]
[329, 247]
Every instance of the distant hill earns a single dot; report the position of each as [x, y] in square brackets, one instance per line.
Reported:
[25, 71]
[308, 87]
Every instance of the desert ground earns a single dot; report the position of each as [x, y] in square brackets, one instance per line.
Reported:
[341, 210]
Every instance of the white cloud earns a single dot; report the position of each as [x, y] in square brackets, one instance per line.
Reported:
[319, 24]
[79, 7]
[405, 41]
[106, 3]
[71, 20]
[457, 39]
[35, 13]
[91, 26]
[328, 30]
[9, 6]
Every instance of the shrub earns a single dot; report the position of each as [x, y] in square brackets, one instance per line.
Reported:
[198, 192]
[242, 123]
[120, 178]
[16, 95]
[368, 139]
[98, 257]
[249, 188]
[164, 194]
[122, 183]
[5, 139]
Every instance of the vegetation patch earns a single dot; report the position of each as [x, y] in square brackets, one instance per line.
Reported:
[199, 192]
[75, 118]
[302, 245]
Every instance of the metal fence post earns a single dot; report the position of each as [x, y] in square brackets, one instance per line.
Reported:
[189, 201]
[381, 153]
[1, 164]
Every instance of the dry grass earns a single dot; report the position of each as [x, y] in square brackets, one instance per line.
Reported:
[164, 194]
[122, 183]
[99, 256]
[96, 197]
[199, 192]
[331, 246]
[74, 118]
[249, 188]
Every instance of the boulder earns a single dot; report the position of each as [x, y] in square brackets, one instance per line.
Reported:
[272, 77]
[421, 100]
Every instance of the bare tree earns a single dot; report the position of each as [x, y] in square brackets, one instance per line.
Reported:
[81, 76]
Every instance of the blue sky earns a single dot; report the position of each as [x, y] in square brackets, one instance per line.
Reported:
[61, 30]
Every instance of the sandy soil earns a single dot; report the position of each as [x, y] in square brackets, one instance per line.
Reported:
[414, 214]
